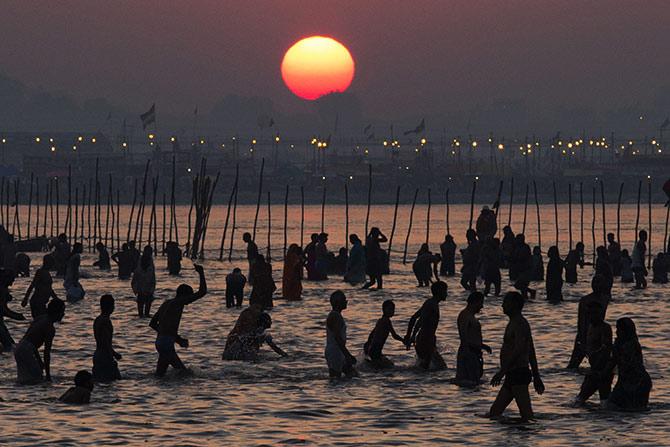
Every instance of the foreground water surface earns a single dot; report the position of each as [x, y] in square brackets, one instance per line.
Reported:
[291, 401]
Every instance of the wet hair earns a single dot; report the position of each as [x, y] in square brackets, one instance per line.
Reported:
[184, 289]
[553, 252]
[353, 238]
[471, 235]
[246, 236]
[515, 298]
[388, 304]
[147, 254]
[82, 378]
[336, 296]
[124, 247]
[55, 307]
[48, 261]
[106, 302]
[626, 330]
[237, 270]
[475, 296]
[99, 246]
[438, 289]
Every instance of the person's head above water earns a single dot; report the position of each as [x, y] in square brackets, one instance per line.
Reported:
[642, 235]
[62, 237]
[77, 248]
[56, 309]
[107, 304]
[338, 301]
[448, 238]
[610, 237]
[388, 308]
[124, 246]
[264, 321]
[84, 379]
[246, 237]
[131, 244]
[553, 252]
[625, 330]
[423, 249]
[512, 303]
[99, 246]
[601, 251]
[237, 270]
[354, 239]
[184, 290]
[470, 235]
[520, 238]
[439, 290]
[599, 283]
[48, 262]
[579, 246]
[314, 237]
[537, 251]
[476, 301]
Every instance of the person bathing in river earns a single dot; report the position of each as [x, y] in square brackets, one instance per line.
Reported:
[448, 252]
[469, 361]
[355, 273]
[235, 282]
[264, 285]
[166, 324]
[73, 288]
[375, 258]
[516, 355]
[144, 282]
[339, 359]
[246, 345]
[522, 263]
[425, 266]
[6, 280]
[291, 284]
[660, 269]
[575, 258]
[554, 282]
[639, 252]
[174, 258]
[538, 265]
[491, 263]
[103, 257]
[614, 252]
[377, 338]
[41, 288]
[627, 276]
[80, 393]
[105, 366]
[599, 295]
[252, 255]
[470, 256]
[422, 328]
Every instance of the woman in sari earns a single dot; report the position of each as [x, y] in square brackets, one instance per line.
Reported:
[292, 277]
[264, 286]
[355, 273]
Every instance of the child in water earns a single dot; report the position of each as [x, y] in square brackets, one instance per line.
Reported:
[626, 268]
[538, 265]
[377, 338]
[660, 269]
[80, 393]
[598, 349]
[235, 283]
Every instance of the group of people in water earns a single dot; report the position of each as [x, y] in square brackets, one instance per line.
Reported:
[483, 259]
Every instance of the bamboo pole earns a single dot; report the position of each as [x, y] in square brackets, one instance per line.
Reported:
[323, 208]
[367, 213]
[118, 219]
[666, 249]
[285, 221]
[47, 192]
[525, 209]
[68, 217]
[409, 228]
[649, 214]
[537, 208]
[269, 256]
[233, 191]
[555, 211]
[511, 201]
[570, 214]
[602, 200]
[472, 203]
[302, 216]
[637, 216]
[447, 211]
[428, 218]
[258, 202]
[88, 213]
[232, 230]
[395, 219]
[76, 213]
[593, 223]
[37, 206]
[163, 223]
[618, 214]
[57, 206]
[2, 204]
[30, 205]
[581, 212]
[346, 216]
[17, 218]
[81, 214]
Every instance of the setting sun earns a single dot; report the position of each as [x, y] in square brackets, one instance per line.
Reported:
[316, 66]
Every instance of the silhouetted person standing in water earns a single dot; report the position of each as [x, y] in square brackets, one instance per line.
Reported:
[469, 361]
[374, 258]
[29, 365]
[144, 282]
[134, 255]
[166, 323]
[599, 295]
[639, 252]
[6, 280]
[235, 282]
[103, 257]
[575, 258]
[448, 251]
[423, 326]
[105, 367]
[174, 258]
[61, 254]
[522, 264]
[377, 338]
[252, 255]
[41, 288]
[516, 355]
[73, 288]
[124, 262]
[470, 257]
[491, 261]
[598, 349]
[554, 282]
[339, 359]
[614, 251]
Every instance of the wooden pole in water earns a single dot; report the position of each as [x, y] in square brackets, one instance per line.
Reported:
[172, 198]
[7, 218]
[581, 212]
[47, 187]
[285, 221]
[553, 184]
[637, 216]
[30, 205]
[96, 198]
[395, 218]
[346, 216]
[511, 200]
[618, 214]
[2, 204]
[665, 236]
[230, 201]
[593, 223]
[232, 230]
[108, 210]
[164, 223]
[57, 206]
[409, 228]
[17, 218]
[76, 212]
[367, 213]
[88, 213]
[37, 206]
[258, 201]
[428, 218]
[81, 214]
[323, 208]
[570, 215]
[154, 216]
[649, 231]
[537, 208]
[472, 203]
[140, 212]
[190, 214]
[302, 216]
[525, 209]
[602, 199]
[447, 210]
[68, 218]
[269, 256]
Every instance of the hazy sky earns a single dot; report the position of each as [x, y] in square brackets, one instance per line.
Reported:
[412, 56]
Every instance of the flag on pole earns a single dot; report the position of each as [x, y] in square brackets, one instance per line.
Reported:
[149, 117]
[418, 129]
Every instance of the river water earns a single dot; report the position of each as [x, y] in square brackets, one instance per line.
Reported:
[291, 401]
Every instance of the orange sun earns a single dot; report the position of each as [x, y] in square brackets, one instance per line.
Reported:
[316, 66]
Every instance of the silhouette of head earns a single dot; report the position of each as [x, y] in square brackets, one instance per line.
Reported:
[610, 237]
[625, 330]
[476, 301]
[354, 239]
[99, 246]
[56, 309]
[77, 248]
[553, 252]
[48, 262]
[388, 308]
[62, 237]
[107, 304]
[124, 246]
[643, 235]
[84, 379]
[470, 235]
[599, 283]
[439, 290]
[246, 237]
[237, 271]
[264, 321]
[184, 290]
[338, 301]
[512, 303]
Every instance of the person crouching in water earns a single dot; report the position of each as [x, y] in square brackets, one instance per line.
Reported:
[246, 345]
[80, 393]
[469, 361]
[377, 338]
[166, 324]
